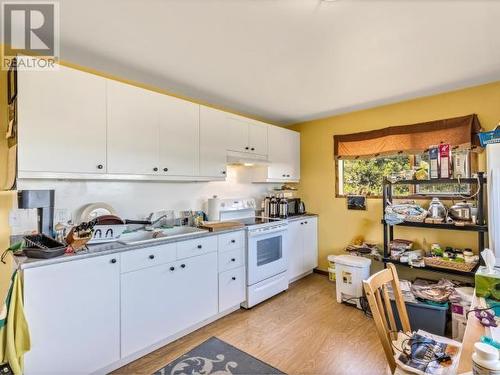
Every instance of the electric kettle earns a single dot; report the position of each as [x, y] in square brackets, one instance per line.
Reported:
[437, 210]
[302, 208]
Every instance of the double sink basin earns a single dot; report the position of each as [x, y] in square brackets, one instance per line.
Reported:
[144, 236]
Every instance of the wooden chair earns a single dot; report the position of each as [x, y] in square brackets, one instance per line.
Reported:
[380, 305]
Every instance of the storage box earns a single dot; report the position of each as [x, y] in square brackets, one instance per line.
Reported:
[423, 316]
[487, 284]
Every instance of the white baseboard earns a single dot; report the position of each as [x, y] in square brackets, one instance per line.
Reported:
[300, 276]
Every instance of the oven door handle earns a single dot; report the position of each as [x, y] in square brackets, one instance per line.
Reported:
[267, 231]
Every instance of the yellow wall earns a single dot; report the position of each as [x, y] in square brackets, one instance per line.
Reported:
[337, 225]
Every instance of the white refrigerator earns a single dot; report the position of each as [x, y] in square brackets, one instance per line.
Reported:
[493, 169]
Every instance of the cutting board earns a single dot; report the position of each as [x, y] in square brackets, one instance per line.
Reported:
[221, 225]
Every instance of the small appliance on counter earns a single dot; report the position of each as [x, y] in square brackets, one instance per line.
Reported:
[282, 207]
[43, 201]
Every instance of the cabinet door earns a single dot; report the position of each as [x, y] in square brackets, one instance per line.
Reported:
[213, 142]
[284, 154]
[257, 138]
[295, 240]
[179, 136]
[62, 121]
[237, 133]
[146, 313]
[73, 313]
[133, 129]
[196, 290]
[310, 231]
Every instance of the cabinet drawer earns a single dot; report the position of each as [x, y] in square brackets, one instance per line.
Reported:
[231, 241]
[231, 288]
[200, 246]
[147, 257]
[231, 259]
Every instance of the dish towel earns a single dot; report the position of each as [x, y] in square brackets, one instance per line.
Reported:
[14, 333]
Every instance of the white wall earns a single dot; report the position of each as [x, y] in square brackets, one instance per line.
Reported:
[137, 199]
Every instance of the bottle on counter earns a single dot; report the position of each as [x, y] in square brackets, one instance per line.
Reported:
[273, 207]
[485, 360]
[283, 208]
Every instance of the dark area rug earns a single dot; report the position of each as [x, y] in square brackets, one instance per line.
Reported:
[215, 356]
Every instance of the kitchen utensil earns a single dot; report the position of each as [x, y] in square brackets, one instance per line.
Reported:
[78, 240]
[436, 209]
[461, 211]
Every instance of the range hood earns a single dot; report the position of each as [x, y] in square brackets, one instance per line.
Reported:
[246, 158]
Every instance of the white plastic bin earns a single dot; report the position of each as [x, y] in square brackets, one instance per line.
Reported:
[350, 272]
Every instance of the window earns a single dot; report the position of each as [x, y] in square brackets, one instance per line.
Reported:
[365, 176]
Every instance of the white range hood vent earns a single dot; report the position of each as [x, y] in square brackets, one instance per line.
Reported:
[245, 158]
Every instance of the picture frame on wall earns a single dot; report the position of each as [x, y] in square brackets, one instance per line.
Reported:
[12, 82]
[356, 202]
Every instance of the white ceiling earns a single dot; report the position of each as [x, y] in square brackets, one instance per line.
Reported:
[288, 60]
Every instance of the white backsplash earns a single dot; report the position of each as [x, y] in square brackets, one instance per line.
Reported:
[136, 199]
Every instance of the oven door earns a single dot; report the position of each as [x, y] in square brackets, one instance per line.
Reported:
[267, 253]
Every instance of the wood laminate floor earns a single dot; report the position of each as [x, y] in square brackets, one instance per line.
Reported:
[301, 331]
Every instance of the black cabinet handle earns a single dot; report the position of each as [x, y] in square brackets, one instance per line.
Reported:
[223, 172]
[151, 256]
[183, 266]
[233, 260]
[234, 277]
[253, 149]
[172, 268]
[155, 169]
[246, 148]
[288, 175]
[113, 260]
[233, 241]
[305, 222]
[100, 166]
[284, 175]
[199, 246]
[302, 223]
[165, 169]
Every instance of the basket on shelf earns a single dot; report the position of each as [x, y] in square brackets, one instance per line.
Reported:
[416, 218]
[448, 264]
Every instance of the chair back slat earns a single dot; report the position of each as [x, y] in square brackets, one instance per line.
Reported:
[382, 311]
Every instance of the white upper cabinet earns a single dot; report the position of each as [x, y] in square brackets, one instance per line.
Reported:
[151, 133]
[179, 136]
[246, 135]
[61, 121]
[213, 142]
[133, 130]
[283, 155]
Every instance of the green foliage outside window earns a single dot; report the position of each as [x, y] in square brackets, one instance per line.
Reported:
[365, 176]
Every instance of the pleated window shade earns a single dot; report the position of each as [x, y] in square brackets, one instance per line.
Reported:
[409, 139]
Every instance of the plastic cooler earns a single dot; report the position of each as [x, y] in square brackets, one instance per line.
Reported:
[350, 271]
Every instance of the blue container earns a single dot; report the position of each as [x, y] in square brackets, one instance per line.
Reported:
[423, 316]
[492, 136]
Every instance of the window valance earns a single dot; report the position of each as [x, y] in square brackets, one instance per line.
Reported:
[411, 139]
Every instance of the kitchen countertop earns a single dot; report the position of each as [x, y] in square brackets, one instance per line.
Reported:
[110, 248]
[300, 217]
[117, 247]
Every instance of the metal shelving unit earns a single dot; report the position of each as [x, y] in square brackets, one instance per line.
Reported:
[480, 228]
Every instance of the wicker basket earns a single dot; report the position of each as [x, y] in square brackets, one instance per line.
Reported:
[448, 264]
[417, 218]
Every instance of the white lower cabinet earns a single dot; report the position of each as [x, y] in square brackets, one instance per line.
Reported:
[160, 301]
[97, 314]
[73, 313]
[303, 246]
[231, 288]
